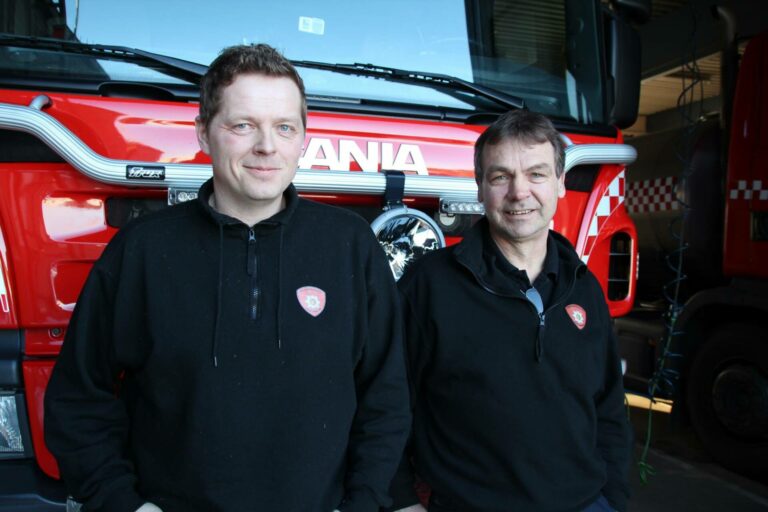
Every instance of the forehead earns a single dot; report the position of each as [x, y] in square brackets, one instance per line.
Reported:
[261, 93]
[513, 154]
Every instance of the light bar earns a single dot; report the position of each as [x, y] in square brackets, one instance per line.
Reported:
[455, 207]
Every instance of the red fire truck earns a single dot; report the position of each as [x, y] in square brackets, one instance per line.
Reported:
[720, 329]
[96, 130]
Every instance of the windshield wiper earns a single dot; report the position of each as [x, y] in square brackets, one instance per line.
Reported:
[434, 80]
[178, 68]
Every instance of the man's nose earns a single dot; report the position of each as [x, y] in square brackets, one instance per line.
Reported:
[518, 188]
[264, 142]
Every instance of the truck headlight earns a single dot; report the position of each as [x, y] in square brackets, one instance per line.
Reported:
[405, 235]
[10, 433]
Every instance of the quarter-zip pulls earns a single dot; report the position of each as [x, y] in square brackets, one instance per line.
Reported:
[252, 269]
[534, 297]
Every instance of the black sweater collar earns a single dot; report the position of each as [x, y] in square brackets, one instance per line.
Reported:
[475, 253]
[282, 217]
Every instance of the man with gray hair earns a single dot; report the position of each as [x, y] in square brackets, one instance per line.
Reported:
[515, 379]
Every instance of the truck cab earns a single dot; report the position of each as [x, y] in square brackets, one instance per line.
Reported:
[97, 109]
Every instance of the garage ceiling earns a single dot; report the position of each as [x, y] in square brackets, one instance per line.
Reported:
[678, 33]
[661, 92]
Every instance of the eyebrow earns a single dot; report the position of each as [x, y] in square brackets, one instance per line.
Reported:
[539, 167]
[535, 167]
[290, 119]
[250, 118]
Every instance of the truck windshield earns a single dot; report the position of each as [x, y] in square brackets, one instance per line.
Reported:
[547, 53]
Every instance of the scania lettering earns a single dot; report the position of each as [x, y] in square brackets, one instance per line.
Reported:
[97, 129]
[321, 152]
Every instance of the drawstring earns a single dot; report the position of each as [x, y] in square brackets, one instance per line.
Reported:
[279, 288]
[539, 343]
[218, 298]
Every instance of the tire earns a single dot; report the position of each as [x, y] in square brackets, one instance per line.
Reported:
[727, 397]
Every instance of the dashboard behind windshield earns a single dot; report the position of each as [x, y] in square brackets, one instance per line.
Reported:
[546, 52]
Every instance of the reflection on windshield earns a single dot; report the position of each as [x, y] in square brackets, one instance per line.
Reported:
[518, 46]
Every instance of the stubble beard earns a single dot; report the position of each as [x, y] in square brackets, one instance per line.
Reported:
[516, 232]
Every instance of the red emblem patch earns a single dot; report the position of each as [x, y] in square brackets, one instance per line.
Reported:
[312, 299]
[577, 315]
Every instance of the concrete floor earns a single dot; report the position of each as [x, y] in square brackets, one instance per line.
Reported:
[686, 478]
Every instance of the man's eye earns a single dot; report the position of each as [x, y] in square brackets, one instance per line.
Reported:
[500, 178]
[285, 128]
[241, 127]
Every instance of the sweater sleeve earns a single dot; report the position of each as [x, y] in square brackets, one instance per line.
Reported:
[613, 430]
[86, 424]
[403, 489]
[382, 420]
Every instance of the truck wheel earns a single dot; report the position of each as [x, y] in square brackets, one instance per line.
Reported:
[727, 392]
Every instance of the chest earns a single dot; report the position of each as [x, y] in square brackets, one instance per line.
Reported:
[491, 341]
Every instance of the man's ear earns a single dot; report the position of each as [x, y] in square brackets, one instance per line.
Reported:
[479, 189]
[202, 135]
[561, 186]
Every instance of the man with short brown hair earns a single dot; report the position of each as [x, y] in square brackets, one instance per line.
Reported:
[241, 351]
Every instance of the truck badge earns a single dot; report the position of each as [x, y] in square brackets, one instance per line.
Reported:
[577, 315]
[145, 172]
[312, 299]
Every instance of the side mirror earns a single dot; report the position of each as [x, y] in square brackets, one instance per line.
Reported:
[623, 59]
[636, 10]
[624, 69]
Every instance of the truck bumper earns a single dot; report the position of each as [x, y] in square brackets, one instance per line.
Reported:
[24, 488]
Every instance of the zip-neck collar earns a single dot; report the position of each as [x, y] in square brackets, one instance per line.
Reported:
[479, 258]
[282, 217]
[499, 262]
[277, 221]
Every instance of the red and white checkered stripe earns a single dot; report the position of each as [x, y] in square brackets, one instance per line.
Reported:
[612, 197]
[746, 190]
[649, 196]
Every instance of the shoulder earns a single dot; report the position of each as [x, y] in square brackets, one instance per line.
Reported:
[324, 215]
[589, 293]
[429, 267]
[151, 229]
[156, 220]
[330, 227]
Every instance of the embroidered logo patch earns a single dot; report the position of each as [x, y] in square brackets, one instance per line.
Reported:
[577, 314]
[312, 299]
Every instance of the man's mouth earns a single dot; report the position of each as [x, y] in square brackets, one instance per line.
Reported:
[518, 212]
[260, 168]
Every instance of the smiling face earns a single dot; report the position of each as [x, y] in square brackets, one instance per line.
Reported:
[254, 141]
[519, 190]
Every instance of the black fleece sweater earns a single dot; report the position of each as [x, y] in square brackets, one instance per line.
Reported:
[497, 428]
[197, 375]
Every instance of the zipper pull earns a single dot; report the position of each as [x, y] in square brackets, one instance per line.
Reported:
[251, 263]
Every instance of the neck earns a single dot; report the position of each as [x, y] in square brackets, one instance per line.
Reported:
[250, 214]
[527, 255]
